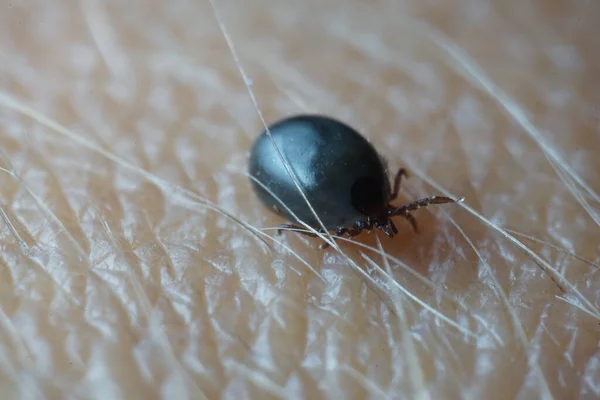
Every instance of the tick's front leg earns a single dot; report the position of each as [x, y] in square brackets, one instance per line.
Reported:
[397, 180]
[296, 228]
[303, 231]
[350, 232]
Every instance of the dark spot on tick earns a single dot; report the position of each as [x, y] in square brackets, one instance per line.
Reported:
[340, 172]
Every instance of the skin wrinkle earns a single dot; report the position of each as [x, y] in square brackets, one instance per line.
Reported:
[514, 316]
[398, 262]
[73, 231]
[148, 309]
[539, 261]
[536, 340]
[212, 332]
[156, 84]
[154, 179]
[163, 250]
[548, 244]
[105, 38]
[23, 244]
[24, 353]
[473, 72]
[416, 372]
[419, 301]
[560, 171]
[34, 257]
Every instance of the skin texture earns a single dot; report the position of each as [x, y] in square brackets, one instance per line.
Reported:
[132, 263]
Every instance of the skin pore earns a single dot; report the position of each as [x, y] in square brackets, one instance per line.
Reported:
[136, 259]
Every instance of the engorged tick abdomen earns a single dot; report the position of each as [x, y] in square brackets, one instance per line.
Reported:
[339, 171]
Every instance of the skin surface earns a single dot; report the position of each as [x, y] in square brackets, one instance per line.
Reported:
[132, 260]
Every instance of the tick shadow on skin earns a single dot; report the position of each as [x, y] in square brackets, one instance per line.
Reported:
[430, 253]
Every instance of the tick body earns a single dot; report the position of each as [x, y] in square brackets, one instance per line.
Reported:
[341, 174]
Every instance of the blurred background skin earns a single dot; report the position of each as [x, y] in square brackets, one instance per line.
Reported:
[124, 132]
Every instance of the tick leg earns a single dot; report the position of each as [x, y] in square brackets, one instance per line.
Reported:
[412, 220]
[362, 225]
[394, 229]
[397, 180]
[297, 228]
[415, 205]
[302, 231]
[326, 244]
[388, 229]
[350, 232]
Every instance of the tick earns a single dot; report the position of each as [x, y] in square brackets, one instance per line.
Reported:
[340, 172]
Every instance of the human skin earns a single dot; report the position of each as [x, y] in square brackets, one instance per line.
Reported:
[137, 263]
